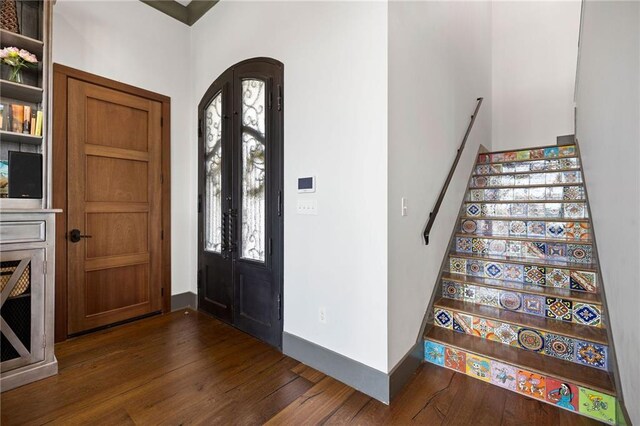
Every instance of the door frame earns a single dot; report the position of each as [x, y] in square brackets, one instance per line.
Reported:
[61, 74]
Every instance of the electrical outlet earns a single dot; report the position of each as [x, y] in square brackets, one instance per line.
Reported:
[322, 315]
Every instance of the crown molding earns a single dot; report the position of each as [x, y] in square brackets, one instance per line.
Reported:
[188, 15]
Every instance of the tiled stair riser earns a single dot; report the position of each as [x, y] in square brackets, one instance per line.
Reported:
[508, 299]
[576, 253]
[570, 231]
[553, 193]
[559, 393]
[551, 276]
[559, 210]
[528, 154]
[562, 347]
[526, 179]
[527, 166]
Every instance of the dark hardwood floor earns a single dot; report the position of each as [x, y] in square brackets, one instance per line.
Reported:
[187, 368]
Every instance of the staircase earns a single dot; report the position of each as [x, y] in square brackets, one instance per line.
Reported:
[519, 305]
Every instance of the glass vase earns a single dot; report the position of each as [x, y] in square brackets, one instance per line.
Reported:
[16, 75]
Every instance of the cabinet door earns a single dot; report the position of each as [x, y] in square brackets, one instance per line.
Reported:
[22, 307]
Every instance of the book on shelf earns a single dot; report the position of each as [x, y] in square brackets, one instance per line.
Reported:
[23, 119]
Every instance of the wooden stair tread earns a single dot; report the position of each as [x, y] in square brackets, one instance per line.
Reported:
[523, 238]
[591, 378]
[525, 219]
[569, 329]
[528, 261]
[578, 296]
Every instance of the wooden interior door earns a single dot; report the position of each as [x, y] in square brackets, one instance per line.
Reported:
[114, 206]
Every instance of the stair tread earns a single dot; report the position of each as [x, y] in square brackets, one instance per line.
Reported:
[569, 329]
[529, 261]
[591, 378]
[578, 296]
[524, 238]
[525, 219]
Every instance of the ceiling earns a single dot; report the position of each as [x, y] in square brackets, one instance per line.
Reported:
[185, 11]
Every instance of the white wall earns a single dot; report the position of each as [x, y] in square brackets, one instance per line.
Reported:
[535, 47]
[439, 63]
[608, 130]
[335, 127]
[130, 42]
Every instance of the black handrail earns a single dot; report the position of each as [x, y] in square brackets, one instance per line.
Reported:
[436, 208]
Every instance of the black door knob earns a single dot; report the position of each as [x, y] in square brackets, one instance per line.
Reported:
[75, 236]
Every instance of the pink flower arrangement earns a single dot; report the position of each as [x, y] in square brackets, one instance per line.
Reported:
[17, 59]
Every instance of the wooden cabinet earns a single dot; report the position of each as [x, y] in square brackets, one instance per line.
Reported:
[27, 225]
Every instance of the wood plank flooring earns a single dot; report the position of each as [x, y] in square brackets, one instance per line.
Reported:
[187, 368]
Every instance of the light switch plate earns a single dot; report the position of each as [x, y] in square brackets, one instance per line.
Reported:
[308, 207]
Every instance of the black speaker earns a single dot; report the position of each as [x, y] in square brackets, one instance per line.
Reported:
[25, 175]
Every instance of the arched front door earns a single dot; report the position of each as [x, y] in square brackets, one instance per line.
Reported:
[240, 223]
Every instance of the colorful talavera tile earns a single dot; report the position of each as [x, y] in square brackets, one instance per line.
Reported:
[479, 367]
[500, 227]
[463, 245]
[497, 157]
[483, 158]
[510, 300]
[517, 228]
[562, 394]
[479, 245]
[533, 304]
[579, 253]
[483, 169]
[531, 384]
[578, 231]
[503, 375]
[469, 293]
[457, 265]
[558, 278]
[535, 274]
[567, 151]
[555, 230]
[553, 210]
[513, 272]
[514, 248]
[598, 405]
[484, 328]
[475, 268]
[559, 346]
[584, 313]
[553, 193]
[556, 251]
[537, 179]
[572, 193]
[493, 270]
[496, 168]
[535, 229]
[591, 354]
[473, 209]
[531, 340]
[583, 281]
[490, 194]
[476, 195]
[434, 353]
[498, 247]
[536, 154]
[452, 290]
[469, 226]
[522, 155]
[574, 210]
[443, 318]
[455, 359]
[506, 334]
[462, 323]
[551, 152]
[480, 182]
[558, 308]
[535, 250]
[488, 296]
[571, 177]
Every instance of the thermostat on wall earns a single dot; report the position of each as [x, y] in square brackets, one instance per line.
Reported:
[307, 184]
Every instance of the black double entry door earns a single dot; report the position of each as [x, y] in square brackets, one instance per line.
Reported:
[240, 223]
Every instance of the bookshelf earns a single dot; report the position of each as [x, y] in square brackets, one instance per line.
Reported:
[27, 225]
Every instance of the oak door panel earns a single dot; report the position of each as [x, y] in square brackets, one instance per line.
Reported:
[114, 194]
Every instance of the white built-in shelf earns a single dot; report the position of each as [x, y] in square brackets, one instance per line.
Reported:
[22, 92]
[23, 42]
[19, 137]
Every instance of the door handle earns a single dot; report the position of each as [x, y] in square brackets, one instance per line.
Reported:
[75, 236]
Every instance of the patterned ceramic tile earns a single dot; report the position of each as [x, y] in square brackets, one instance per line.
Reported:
[572, 193]
[533, 304]
[479, 245]
[488, 296]
[558, 309]
[598, 405]
[469, 226]
[531, 384]
[536, 153]
[535, 274]
[517, 228]
[510, 300]
[463, 245]
[537, 209]
[443, 318]
[479, 367]
[452, 290]
[497, 157]
[558, 278]
[591, 354]
[558, 346]
[571, 177]
[531, 340]
[462, 323]
[579, 253]
[514, 248]
[498, 247]
[434, 353]
[490, 194]
[503, 375]
[488, 210]
[480, 182]
[534, 250]
[475, 268]
[522, 180]
[568, 163]
[484, 328]
[521, 194]
[584, 313]
[518, 209]
[523, 155]
[563, 394]
[473, 209]
[500, 227]
[553, 178]
[513, 272]
[476, 195]
[551, 152]
[506, 334]
[469, 293]
[578, 231]
[499, 210]
[554, 193]
[457, 265]
[583, 280]
[483, 169]
[555, 230]
[484, 158]
[556, 251]
[493, 270]
[523, 166]
[455, 359]
[496, 168]
[567, 151]
[536, 179]
[553, 210]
